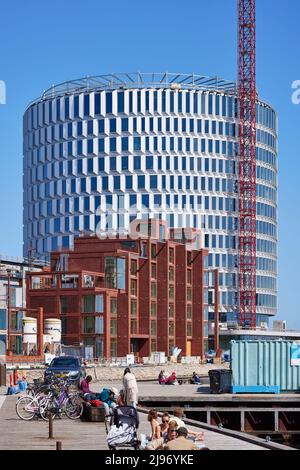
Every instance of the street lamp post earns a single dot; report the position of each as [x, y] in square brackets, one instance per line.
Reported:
[8, 310]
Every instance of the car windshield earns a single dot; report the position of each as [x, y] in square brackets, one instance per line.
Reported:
[64, 362]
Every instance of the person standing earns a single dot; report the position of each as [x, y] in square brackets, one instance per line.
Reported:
[130, 388]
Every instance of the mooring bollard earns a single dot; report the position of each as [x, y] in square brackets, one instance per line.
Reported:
[58, 445]
[50, 426]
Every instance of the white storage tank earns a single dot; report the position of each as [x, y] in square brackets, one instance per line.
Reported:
[52, 327]
[29, 330]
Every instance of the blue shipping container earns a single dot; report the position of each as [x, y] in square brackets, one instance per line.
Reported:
[265, 364]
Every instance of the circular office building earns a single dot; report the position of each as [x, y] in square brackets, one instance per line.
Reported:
[102, 151]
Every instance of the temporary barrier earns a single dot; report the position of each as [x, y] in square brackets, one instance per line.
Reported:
[269, 366]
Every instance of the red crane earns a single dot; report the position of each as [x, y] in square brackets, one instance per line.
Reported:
[247, 162]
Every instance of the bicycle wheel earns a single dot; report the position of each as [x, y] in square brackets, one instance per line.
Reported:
[73, 407]
[26, 408]
[48, 406]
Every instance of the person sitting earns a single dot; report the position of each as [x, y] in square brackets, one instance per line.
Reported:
[108, 398]
[120, 401]
[177, 418]
[85, 389]
[172, 379]
[181, 442]
[162, 378]
[155, 427]
[159, 444]
[164, 426]
[195, 379]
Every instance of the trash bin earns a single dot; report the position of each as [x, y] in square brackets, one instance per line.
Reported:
[220, 380]
[2, 375]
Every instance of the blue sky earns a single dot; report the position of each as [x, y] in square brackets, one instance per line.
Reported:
[43, 43]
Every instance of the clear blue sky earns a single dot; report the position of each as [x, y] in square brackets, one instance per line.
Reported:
[43, 43]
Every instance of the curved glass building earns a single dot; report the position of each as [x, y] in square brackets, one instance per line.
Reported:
[164, 144]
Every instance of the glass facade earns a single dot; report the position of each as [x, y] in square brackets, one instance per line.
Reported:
[171, 152]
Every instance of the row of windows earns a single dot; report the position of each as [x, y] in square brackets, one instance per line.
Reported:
[266, 210]
[265, 300]
[266, 156]
[141, 101]
[145, 163]
[262, 300]
[266, 192]
[132, 101]
[266, 138]
[266, 282]
[111, 126]
[266, 174]
[130, 182]
[265, 116]
[266, 228]
[265, 264]
[132, 144]
[262, 282]
[266, 246]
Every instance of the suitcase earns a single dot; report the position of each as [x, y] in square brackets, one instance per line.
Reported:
[96, 414]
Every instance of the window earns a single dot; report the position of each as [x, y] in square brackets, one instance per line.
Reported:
[189, 293]
[88, 325]
[133, 287]
[88, 304]
[189, 276]
[153, 309]
[108, 103]
[133, 310]
[121, 102]
[153, 327]
[171, 310]
[171, 292]
[153, 250]
[153, 290]
[99, 325]
[99, 307]
[171, 255]
[133, 267]
[153, 270]
[113, 347]
[133, 327]
[113, 326]
[171, 328]
[115, 275]
[113, 306]
[171, 273]
[189, 312]
[189, 329]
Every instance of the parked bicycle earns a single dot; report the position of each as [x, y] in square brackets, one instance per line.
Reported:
[53, 397]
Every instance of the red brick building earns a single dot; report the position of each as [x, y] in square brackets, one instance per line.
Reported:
[127, 295]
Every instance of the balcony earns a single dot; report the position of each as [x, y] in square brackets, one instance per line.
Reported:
[83, 279]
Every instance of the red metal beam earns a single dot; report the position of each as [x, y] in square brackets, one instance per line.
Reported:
[247, 162]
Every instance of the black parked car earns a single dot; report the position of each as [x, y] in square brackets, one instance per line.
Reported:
[66, 366]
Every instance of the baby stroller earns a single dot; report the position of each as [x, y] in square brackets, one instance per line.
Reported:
[123, 427]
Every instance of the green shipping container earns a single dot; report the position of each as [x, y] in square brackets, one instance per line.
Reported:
[266, 364]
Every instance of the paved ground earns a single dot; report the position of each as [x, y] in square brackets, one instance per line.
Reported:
[153, 391]
[17, 434]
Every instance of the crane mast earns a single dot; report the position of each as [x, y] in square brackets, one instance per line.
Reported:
[247, 162]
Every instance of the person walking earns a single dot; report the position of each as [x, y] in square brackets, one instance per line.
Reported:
[130, 388]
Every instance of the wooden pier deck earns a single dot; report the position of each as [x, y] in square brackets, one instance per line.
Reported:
[16, 434]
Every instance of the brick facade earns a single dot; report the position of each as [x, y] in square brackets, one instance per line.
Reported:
[127, 295]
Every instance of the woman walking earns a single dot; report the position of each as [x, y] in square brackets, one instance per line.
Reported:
[130, 388]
